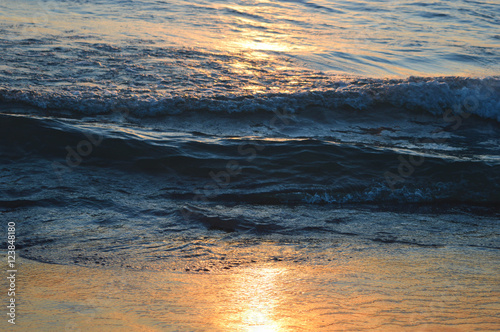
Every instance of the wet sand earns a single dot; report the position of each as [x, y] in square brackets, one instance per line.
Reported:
[428, 290]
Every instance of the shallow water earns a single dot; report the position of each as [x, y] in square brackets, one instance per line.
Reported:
[143, 121]
[151, 196]
[377, 291]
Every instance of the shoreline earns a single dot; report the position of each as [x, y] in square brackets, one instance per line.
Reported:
[420, 290]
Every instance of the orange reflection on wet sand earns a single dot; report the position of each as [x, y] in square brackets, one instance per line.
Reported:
[258, 296]
[412, 292]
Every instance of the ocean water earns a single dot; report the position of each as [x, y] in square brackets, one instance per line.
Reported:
[204, 135]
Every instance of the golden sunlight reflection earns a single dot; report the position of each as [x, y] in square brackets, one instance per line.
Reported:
[262, 45]
[257, 297]
[407, 291]
[255, 33]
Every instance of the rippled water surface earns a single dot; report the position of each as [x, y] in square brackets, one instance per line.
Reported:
[370, 38]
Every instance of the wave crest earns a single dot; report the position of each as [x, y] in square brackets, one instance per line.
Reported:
[479, 96]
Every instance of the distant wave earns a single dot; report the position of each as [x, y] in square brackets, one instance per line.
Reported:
[478, 96]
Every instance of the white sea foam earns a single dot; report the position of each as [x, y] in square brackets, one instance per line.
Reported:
[478, 96]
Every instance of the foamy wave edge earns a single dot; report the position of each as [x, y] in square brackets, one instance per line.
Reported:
[479, 96]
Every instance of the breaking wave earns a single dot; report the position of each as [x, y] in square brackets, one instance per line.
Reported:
[478, 96]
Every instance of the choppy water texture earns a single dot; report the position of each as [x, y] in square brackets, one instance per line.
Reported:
[197, 135]
[214, 38]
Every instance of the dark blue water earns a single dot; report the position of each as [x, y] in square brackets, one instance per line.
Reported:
[179, 133]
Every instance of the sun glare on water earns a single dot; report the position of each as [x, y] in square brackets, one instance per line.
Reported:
[257, 299]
